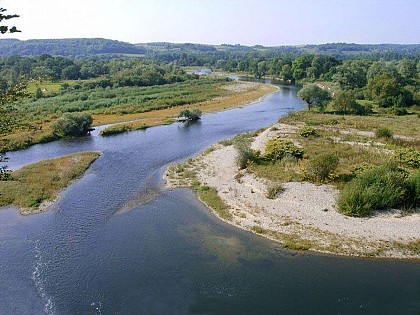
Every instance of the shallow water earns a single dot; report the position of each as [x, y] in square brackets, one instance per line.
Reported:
[102, 250]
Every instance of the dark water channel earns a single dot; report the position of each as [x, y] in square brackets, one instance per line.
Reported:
[102, 250]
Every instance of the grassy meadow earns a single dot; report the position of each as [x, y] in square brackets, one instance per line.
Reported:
[34, 184]
[139, 106]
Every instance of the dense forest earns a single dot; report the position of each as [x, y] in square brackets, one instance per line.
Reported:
[74, 47]
[200, 53]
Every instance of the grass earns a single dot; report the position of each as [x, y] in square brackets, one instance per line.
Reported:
[121, 128]
[36, 183]
[406, 125]
[151, 106]
[212, 199]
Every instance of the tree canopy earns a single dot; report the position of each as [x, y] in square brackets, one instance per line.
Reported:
[313, 95]
[72, 124]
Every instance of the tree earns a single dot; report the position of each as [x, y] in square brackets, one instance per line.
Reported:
[4, 28]
[352, 74]
[190, 115]
[388, 92]
[300, 65]
[313, 95]
[345, 102]
[72, 124]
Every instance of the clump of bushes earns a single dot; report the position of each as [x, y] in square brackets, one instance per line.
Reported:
[381, 187]
[307, 132]
[383, 132]
[276, 149]
[72, 124]
[408, 157]
[321, 166]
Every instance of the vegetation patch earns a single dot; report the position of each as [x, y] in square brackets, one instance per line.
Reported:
[308, 131]
[212, 199]
[273, 190]
[277, 149]
[121, 128]
[382, 187]
[320, 167]
[33, 184]
[383, 132]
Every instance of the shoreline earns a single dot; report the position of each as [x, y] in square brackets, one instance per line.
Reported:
[303, 217]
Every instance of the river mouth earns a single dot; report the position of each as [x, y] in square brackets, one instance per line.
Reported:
[103, 249]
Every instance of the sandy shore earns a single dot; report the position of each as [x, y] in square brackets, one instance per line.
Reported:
[304, 216]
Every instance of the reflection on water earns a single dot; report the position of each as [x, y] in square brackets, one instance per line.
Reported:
[116, 243]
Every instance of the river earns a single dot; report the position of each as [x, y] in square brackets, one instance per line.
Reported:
[117, 242]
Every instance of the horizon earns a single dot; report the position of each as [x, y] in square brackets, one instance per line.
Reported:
[222, 44]
[247, 22]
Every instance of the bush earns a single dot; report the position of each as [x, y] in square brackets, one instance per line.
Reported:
[307, 132]
[413, 183]
[321, 166]
[245, 154]
[276, 149]
[72, 124]
[408, 157]
[399, 111]
[383, 132]
[382, 187]
[190, 115]
[273, 190]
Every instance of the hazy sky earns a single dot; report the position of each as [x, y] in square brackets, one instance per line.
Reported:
[247, 22]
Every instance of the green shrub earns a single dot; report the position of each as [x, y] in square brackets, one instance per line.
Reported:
[408, 157]
[273, 190]
[189, 115]
[399, 111]
[72, 124]
[382, 187]
[245, 154]
[413, 198]
[321, 166]
[361, 168]
[210, 196]
[276, 149]
[307, 132]
[383, 132]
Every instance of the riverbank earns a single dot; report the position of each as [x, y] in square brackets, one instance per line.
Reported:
[303, 216]
[34, 187]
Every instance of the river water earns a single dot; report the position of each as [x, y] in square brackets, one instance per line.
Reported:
[116, 242]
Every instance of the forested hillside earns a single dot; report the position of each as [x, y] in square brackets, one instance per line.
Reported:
[75, 47]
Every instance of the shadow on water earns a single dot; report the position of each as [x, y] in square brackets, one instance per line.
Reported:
[115, 243]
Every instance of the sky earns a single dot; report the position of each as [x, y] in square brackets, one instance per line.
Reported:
[245, 22]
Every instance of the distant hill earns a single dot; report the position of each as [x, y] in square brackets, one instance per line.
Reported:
[85, 47]
[75, 47]
[340, 50]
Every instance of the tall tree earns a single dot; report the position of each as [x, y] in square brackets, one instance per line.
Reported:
[313, 95]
